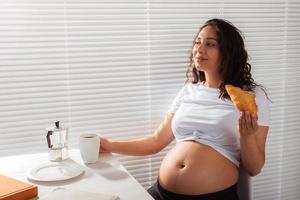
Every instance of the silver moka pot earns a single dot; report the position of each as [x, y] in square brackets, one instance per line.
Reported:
[57, 140]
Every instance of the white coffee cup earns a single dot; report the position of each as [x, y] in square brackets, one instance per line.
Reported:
[89, 145]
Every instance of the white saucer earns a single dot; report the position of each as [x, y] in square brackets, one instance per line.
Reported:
[55, 171]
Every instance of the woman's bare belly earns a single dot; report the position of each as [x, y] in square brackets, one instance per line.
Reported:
[192, 168]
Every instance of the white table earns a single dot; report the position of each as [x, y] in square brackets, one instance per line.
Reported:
[105, 176]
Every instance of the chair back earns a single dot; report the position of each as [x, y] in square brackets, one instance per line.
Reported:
[244, 184]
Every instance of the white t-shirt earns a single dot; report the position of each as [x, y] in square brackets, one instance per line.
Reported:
[200, 115]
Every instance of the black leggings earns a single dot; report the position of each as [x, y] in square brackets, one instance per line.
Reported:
[159, 193]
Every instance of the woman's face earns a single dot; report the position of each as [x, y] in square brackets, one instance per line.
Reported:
[206, 54]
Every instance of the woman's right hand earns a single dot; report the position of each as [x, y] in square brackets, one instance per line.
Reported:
[105, 145]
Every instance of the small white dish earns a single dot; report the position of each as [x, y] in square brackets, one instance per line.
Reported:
[55, 171]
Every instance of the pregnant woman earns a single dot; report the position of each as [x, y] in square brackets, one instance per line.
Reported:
[213, 138]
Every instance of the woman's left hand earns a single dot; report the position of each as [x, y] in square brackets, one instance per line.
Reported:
[247, 124]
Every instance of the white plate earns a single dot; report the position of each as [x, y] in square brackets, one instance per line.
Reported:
[55, 171]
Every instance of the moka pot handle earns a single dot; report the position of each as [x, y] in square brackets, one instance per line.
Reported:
[48, 139]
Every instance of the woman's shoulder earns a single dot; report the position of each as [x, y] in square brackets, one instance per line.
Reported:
[263, 103]
[189, 85]
[192, 87]
[260, 91]
[261, 95]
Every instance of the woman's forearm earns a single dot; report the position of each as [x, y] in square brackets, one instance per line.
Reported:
[139, 147]
[252, 158]
[151, 144]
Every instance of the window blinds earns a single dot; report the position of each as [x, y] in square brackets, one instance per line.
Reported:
[113, 68]
[85, 63]
[290, 155]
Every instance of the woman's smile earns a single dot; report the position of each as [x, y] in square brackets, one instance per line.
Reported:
[200, 59]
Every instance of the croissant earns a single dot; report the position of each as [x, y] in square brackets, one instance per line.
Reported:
[243, 100]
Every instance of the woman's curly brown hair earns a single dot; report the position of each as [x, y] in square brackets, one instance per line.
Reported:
[234, 67]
